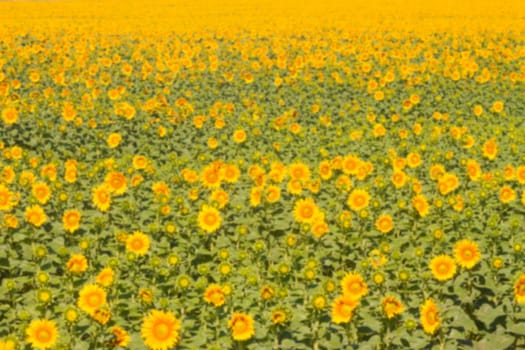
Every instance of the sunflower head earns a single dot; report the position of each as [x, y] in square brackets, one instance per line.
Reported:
[443, 267]
[430, 319]
[242, 326]
[358, 199]
[91, 298]
[342, 309]
[519, 290]
[354, 286]
[209, 219]
[42, 334]
[160, 330]
[392, 306]
[466, 253]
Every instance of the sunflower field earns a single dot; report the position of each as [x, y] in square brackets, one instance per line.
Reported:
[262, 175]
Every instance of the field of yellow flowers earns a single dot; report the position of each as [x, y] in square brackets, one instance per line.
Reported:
[262, 175]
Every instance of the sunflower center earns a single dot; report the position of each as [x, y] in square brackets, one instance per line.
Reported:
[117, 183]
[307, 212]
[34, 217]
[137, 244]
[43, 335]
[103, 197]
[355, 287]
[467, 254]
[443, 268]
[240, 325]
[94, 300]
[431, 317]
[346, 309]
[210, 219]
[162, 331]
[72, 219]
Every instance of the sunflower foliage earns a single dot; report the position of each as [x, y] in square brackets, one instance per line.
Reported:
[230, 175]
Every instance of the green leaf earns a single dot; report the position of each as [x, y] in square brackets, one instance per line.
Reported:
[517, 328]
[487, 314]
[461, 320]
[495, 342]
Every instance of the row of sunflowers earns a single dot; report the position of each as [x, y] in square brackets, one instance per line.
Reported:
[286, 177]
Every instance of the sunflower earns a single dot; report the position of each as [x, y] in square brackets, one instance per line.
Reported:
[71, 174]
[325, 170]
[267, 292]
[220, 196]
[114, 140]
[392, 306]
[507, 194]
[447, 183]
[430, 316]
[279, 316]
[140, 162]
[358, 199]
[214, 294]
[477, 110]
[209, 219]
[305, 210]
[138, 243]
[77, 263]
[41, 192]
[68, 112]
[320, 227]
[35, 215]
[384, 223]
[413, 160]
[210, 176]
[242, 326]
[121, 338]
[255, 196]
[161, 188]
[421, 205]
[230, 173]
[294, 187]
[519, 290]
[498, 106]
[354, 285]
[7, 344]
[90, 298]
[473, 170]
[8, 174]
[520, 174]
[490, 149]
[351, 164]
[106, 277]
[71, 220]
[299, 171]
[239, 136]
[117, 182]
[277, 172]
[466, 253]
[342, 309]
[9, 115]
[102, 197]
[42, 334]
[102, 315]
[273, 194]
[160, 330]
[443, 267]
[6, 198]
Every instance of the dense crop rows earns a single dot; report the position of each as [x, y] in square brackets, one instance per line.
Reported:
[272, 186]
